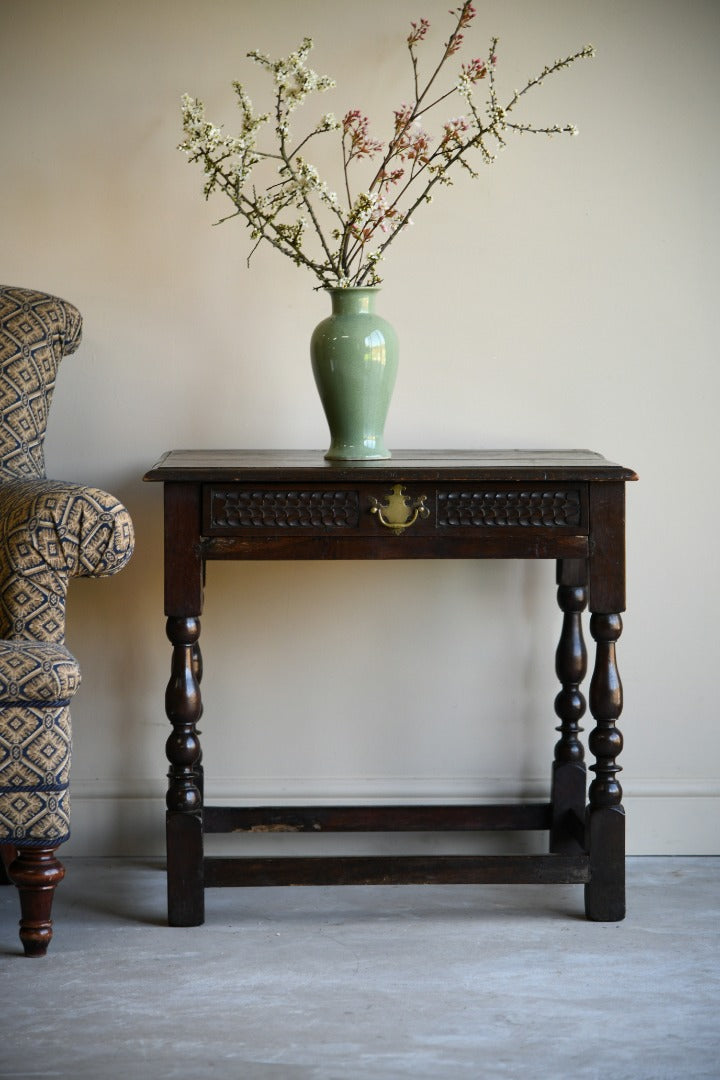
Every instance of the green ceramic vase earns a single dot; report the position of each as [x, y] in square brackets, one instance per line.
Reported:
[354, 360]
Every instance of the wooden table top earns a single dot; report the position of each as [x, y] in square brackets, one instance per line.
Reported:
[303, 465]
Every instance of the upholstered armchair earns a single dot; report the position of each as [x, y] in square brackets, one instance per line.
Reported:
[49, 532]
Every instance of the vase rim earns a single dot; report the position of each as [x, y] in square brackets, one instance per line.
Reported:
[352, 288]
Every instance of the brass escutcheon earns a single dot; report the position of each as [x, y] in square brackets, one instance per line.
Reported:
[398, 511]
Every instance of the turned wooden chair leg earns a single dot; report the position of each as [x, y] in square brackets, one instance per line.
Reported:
[7, 854]
[36, 872]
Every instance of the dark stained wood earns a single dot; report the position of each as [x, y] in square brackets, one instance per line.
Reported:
[607, 548]
[605, 892]
[414, 818]
[507, 545]
[267, 504]
[183, 706]
[569, 777]
[399, 870]
[36, 872]
[299, 465]
[185, 868]
[7, 853]
[451, 507]
[183, 558]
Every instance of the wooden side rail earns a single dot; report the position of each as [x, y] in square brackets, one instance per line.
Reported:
[398, 870]
[315, 819]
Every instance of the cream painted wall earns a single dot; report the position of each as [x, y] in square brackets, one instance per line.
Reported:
[566, 298]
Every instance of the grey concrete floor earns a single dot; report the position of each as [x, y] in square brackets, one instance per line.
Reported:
[378, 983]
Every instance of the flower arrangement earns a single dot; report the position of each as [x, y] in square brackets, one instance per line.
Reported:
[353, 231]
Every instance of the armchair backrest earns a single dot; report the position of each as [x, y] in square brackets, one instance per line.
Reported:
[36, 331]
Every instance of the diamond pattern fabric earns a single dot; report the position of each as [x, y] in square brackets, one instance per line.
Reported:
[36, 331]
[37, 673]
[51, 531]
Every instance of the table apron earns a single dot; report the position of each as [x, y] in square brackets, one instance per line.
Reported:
[545, 545]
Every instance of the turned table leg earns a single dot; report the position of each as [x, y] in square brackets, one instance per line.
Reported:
[569, 775]
[197, 666]
[36, 872]
[183, 706]
[605, 892]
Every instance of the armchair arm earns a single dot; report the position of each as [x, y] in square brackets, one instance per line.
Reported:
[51, 531]
[37, 673]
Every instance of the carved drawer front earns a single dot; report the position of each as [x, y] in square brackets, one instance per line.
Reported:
[535, 507]
[235, 508]
[401, 509]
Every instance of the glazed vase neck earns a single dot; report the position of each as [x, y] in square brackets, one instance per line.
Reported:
[357, 300]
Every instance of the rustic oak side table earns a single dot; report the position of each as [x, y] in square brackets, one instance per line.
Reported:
[562, 505]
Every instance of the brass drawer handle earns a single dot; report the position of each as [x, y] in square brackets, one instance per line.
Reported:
[398, 511]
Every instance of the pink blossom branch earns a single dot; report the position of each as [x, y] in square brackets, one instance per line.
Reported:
[411, 163]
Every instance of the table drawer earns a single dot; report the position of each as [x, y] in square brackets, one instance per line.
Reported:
[412, 508]
[506, 508]
[233, 509]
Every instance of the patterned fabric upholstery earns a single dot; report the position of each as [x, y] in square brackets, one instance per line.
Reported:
[37, 681]
[37, 673]
[75, 532]
[36, 331]
[50, 531]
